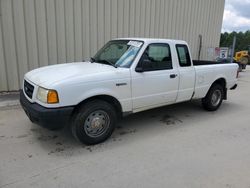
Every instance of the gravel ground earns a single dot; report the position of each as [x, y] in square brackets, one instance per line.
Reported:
[175, 146]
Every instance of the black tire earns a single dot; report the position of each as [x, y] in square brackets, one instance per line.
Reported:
[208, 101]
[94, 115]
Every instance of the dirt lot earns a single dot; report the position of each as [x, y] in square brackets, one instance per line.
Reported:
[175, 146]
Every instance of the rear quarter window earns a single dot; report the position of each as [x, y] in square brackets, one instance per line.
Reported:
[183, 55]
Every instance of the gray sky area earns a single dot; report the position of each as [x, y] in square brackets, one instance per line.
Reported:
[236, 16]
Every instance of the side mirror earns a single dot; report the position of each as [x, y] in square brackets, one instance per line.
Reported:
[143, 65]
[139, 69]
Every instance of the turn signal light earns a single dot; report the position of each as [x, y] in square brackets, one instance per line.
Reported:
[52, 97]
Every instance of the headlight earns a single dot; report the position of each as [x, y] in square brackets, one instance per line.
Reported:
[47, 95]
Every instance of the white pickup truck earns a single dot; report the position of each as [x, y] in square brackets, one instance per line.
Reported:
[127, 75]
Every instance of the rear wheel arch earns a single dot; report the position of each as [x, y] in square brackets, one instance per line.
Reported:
[221, 81]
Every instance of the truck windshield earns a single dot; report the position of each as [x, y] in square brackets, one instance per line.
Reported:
[118, 53]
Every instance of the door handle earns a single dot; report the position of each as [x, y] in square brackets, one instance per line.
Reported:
[173, 75]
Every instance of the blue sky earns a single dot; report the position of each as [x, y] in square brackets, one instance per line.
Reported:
[236, 16]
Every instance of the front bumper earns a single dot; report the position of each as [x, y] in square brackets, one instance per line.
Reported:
[51, 118]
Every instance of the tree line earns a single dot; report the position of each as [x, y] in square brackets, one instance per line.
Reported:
[242, 40]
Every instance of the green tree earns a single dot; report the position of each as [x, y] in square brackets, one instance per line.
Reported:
[242, 40]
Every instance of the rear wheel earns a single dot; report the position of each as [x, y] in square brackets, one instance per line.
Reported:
[94, 122]
[214, 98]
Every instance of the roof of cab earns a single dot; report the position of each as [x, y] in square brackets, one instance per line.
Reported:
[155, 40]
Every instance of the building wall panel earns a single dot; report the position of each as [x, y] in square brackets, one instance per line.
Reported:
[60, 31]
[9, 40]
[20, 40]
[78, 30]
[41, 27]
[35, 33]
[3, 69]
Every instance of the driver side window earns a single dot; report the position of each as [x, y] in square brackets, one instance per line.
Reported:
[156, 57]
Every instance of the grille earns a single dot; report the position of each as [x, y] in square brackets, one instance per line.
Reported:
[28, 89]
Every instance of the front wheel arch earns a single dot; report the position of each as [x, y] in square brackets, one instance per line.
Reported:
[107, 98]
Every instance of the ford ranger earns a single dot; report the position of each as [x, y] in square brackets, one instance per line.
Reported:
[126, 76]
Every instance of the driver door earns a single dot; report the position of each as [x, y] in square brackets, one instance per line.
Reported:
[154, 81]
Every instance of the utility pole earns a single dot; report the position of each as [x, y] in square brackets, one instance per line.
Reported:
[233, 48]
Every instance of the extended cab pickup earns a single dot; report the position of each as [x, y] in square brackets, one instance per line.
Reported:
[126, 76]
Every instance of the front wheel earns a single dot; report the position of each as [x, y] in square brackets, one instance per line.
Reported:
[214, 97]
[94, 122]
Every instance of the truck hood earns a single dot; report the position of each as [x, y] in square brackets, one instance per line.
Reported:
[48, 75]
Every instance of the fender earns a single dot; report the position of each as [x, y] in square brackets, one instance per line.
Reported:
[126, 104]
[218, 78]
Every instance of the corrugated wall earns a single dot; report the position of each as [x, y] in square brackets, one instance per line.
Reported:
[35, 33]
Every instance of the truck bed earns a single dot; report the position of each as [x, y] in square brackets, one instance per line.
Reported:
[202, 62]
[208, 71]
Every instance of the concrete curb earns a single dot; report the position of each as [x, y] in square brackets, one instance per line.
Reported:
[9, 99]
[9, 103]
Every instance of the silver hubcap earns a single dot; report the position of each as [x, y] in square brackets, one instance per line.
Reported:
[97, 123]
[216, 97]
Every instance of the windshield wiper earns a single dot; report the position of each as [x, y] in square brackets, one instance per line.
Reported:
[104, 61]
[92, 60]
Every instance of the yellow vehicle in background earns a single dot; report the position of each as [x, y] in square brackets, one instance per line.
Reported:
[243, 58]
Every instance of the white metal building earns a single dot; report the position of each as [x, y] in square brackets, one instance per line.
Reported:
[35, 33]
